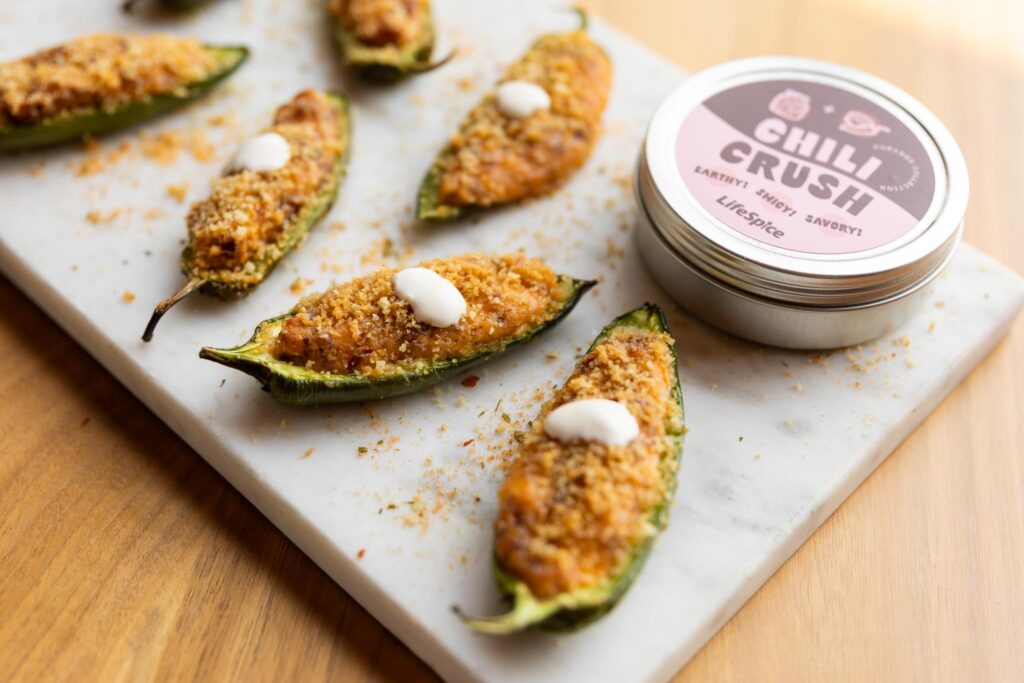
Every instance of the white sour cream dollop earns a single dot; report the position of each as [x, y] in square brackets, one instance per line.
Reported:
[592, 419]
[265, 152]
[434, 300]
[519, 99]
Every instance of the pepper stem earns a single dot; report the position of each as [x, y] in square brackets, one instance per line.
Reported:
[165, 305]
[238, 359]
[584, 17]
[526, 611]
[430, 66]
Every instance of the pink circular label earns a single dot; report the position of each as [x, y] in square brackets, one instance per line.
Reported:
[805, 166]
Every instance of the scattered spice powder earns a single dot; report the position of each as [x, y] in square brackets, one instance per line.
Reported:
[97, 217]
[201, 148]
[98, 159]
[163, 147]
[178, 192]
[223, 120]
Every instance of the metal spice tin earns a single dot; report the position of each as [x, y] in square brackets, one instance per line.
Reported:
[798, 203]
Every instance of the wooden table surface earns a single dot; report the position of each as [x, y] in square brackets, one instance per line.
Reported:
[126, 557]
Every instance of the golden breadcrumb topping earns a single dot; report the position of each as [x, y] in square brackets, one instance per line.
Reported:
[363, 327]
[381, 22]
[495, 158]
[247, 217]
[572, 514]
[102, 72]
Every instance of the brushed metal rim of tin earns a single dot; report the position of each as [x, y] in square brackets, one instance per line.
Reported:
[766, 321]
[784, 276]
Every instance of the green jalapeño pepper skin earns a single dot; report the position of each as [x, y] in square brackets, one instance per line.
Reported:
[498, 158]
[385, 61]
[292, 384]
[294, 231]
[571, 610]
[78, 125]
[173, 5]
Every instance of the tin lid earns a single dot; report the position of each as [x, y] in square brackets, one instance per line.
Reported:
[803, 181]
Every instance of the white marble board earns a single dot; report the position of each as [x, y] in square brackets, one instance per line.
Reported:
[777, 439]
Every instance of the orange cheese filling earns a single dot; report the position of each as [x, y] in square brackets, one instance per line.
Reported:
[98, 72]
[363, 327]
[380, 23]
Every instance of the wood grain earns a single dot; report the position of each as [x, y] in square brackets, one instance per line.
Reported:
[126, 557]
